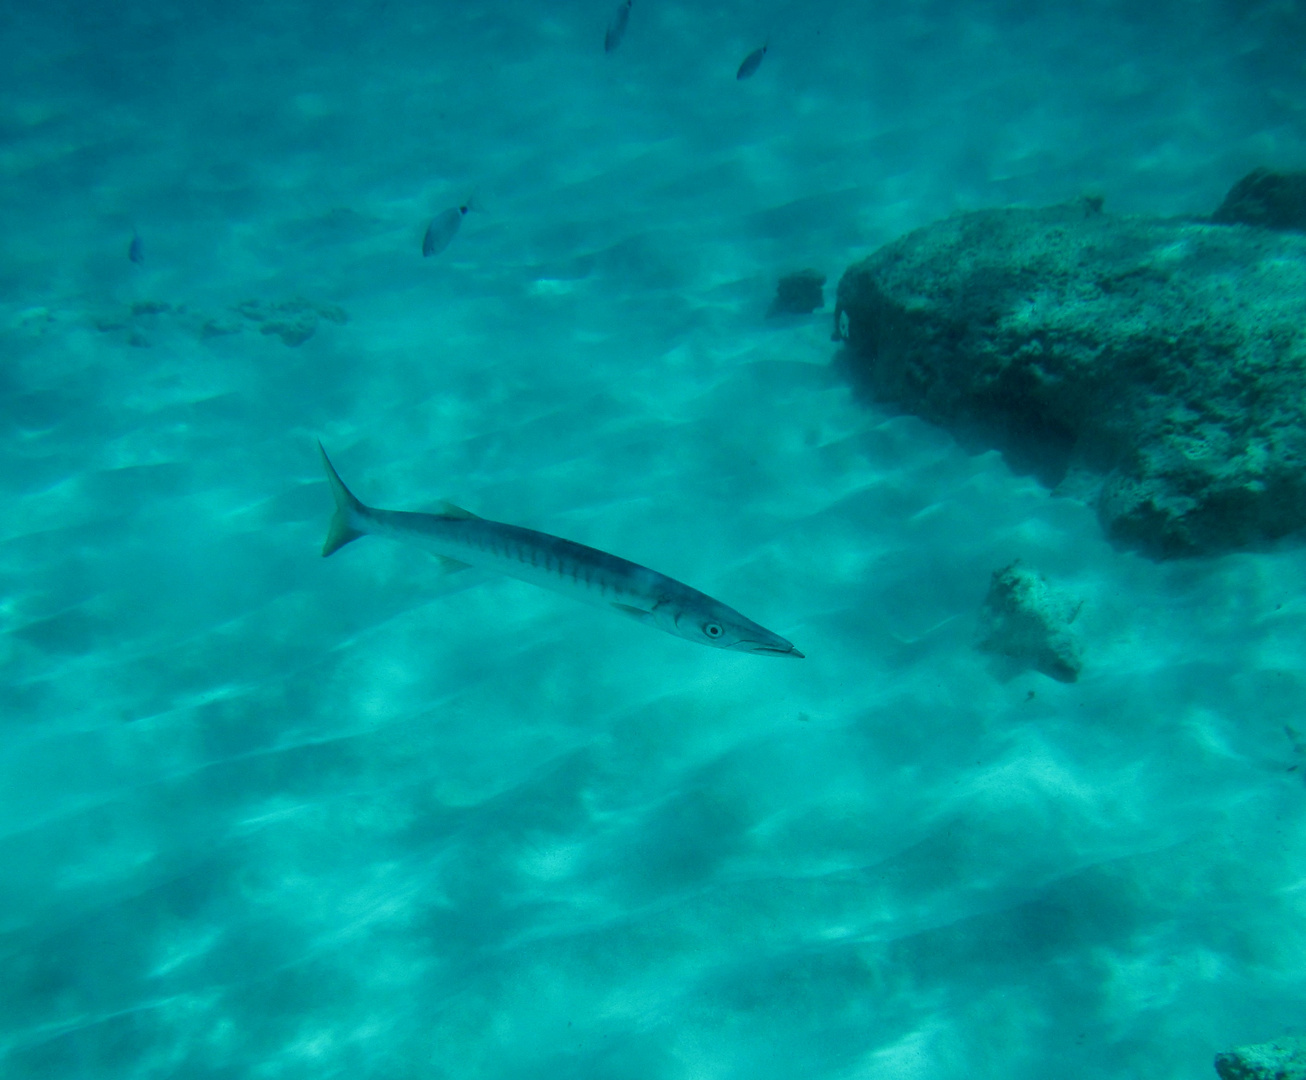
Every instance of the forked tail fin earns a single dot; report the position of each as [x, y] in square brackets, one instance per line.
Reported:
[349, 511]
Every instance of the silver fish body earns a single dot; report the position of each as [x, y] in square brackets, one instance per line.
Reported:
[442, 229]
[563, 566]
[751, 63]
[617, 27]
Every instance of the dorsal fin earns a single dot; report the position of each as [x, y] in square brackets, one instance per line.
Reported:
[448, 509]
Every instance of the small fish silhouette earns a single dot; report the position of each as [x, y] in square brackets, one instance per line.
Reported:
[751, 63]
[136, 249]
[444, 226]
[617, 27]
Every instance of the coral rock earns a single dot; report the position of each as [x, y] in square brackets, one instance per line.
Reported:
[1025, 621]
[1156, 368]
[798, 293]
[1266, 199]
[1282, 1059]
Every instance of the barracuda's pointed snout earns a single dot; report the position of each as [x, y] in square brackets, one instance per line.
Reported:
[760, 641]
[779, 647]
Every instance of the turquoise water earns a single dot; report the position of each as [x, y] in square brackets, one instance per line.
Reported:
[267, 815]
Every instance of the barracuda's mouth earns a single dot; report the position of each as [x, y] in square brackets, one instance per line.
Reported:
[776, 650]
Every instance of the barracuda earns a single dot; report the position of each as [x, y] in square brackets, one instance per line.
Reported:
[583, 573]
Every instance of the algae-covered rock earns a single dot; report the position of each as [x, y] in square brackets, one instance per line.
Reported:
[1028, 623]
[1154, 367]
[1282, 1059]
[798, 293]
[293, 321]
[155, 307]
[211, 328]
[1269, 200]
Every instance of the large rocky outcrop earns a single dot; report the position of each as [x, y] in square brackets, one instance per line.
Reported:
[1272, 200]
[1155, 366]
[1283, 1059]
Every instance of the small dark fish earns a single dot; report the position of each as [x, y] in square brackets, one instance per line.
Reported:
[751, 63]
[617, 27]
[136, 249]
[444, 226]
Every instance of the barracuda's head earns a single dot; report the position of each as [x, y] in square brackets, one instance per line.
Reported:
[709, 622]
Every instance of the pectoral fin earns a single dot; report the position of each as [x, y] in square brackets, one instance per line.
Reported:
[633, 612]
[451, 566]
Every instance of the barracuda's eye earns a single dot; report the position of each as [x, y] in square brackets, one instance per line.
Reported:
[712, 630]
